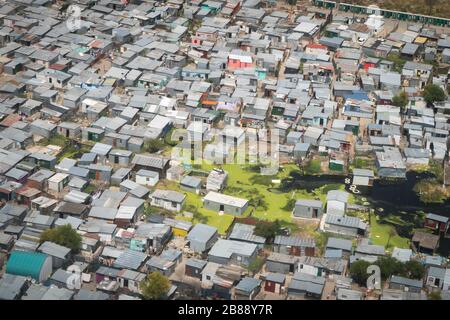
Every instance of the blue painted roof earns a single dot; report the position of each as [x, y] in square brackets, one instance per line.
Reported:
[357, 95]
[27, 264]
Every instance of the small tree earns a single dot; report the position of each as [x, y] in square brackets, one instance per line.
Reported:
[153, 145]
[430, 4]
[435, 295]
[290, 205]
[155, 286]
[358, 272]
[389, 266]
[64, 236]
[255, 265]
[433, 93]
[414, 269]
[400, 100]
[268, 229]
[391, 233]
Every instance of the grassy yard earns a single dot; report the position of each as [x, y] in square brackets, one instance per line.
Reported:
[313, 167]
[432, 191]
[398, 61]
[72, 152]
[243, 178]
[244, 181]
[379, 234]
[363, 163]
[221, 222]
[56, 140]
[202, 215]
[68, 149]
[90, 188]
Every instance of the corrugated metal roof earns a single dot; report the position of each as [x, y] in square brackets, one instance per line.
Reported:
[248, 284]
[337, 243]
[168, 195]
[101, 149]
[201, 233]
[225, 199]
[130, 259]
[54, 249]
[226, 248]
[276, 277]
[245, 232]
[347, 221]
[294, 241]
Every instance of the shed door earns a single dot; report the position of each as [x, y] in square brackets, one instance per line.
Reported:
[294, 251]
[315, 213]
[270, 286]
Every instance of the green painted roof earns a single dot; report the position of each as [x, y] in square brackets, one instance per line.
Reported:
[28, 264]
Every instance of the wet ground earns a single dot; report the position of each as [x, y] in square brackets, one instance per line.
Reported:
[391, 197]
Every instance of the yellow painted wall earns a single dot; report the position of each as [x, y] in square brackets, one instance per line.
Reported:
[179, 232]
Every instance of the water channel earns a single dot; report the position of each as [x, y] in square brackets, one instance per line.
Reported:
[391, 197]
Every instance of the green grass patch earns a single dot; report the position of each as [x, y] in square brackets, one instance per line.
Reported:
[359, 214]
[70, 151]
[168, 138]
[363, 163]
[241, 184]
[398, 61]
[90, 188]
[379, 234]
[431, 191]
[56, 140]
[262, 180]
[329, 187]
[313, 167]
[244, 183]
[194, 204]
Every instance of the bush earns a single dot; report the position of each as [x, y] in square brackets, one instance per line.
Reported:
[432, 93]
[400, 100]
[64, 236]
[262, 180]
[430, 191]
[168, 139]
[389, 266]
[268, 229]
[435, 295]
[329, 187]
[313, 167]
[155, 286]
[414, 269]
[255, 265]
[153, 145]
[358, 272]
[361, 163]
[437, 169]
[398, 61]
[290, 205]
[254, 168]
[321, 240]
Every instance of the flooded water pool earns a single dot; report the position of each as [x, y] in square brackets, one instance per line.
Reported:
[391, 197]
